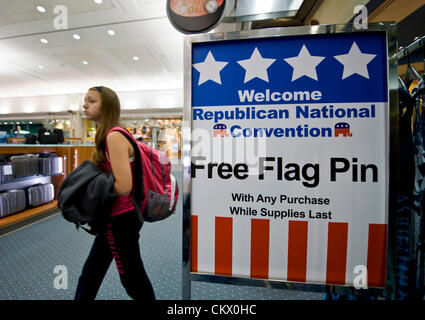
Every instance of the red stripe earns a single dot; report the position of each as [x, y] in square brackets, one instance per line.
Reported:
[260, 234]
[223, 245]
[297, 251]
[337, 253]
[377, 255]
[194, 243]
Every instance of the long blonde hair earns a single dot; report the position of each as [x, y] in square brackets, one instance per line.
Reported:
[109, 117]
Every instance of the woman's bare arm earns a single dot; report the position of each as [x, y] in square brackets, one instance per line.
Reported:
[118, 146]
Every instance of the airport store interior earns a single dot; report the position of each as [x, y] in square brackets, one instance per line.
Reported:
[51, 53]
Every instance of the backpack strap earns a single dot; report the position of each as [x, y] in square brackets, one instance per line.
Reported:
[138, 194]
[162, 161]
[153, 173]
[162, 169]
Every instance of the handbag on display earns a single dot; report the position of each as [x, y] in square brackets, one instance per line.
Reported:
[30, 139]
[47, 136]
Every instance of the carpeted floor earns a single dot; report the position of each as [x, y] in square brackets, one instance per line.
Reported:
[28, 258]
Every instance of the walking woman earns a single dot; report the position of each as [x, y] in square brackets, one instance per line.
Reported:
[120, 241]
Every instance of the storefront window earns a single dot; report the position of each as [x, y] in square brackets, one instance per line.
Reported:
[163, 134]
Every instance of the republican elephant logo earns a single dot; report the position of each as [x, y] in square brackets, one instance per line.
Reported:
[342, 128]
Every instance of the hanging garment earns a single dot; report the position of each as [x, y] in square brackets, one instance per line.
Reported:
[416, 242]
[404, 197]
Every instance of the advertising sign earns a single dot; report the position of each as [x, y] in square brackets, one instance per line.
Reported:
[290, 158]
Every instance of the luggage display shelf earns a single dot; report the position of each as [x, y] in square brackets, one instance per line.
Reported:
[27, 214]
[72, 156]
[16, 180]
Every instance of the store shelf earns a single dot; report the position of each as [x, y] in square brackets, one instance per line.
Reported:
[27, 214]
[72, 155]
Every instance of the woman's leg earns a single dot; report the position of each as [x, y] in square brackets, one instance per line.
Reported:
[94, 269]
[123, 237]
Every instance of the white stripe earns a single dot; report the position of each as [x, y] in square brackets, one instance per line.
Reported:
[206, 229]
[356, 247]
[278, 255]
[241, 253]
[317, 245]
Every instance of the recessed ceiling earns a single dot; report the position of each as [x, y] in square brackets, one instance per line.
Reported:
[141, 29]
[20, 11]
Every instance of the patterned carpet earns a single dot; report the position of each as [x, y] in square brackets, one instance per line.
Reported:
[28, 258]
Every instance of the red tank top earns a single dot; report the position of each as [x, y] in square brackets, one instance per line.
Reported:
[122, 204]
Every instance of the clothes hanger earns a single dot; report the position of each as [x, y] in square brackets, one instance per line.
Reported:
[405, 99]
[411, 73]
[420, 88]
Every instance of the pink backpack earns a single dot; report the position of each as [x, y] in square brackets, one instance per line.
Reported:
[156, 189]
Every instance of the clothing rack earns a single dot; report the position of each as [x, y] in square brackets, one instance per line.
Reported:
[404, 52]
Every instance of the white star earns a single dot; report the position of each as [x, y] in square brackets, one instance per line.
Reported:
[355, 62]
[256, 66]
[209, 69]
[304, 64]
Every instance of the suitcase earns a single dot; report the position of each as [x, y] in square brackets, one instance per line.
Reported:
[50, 164]
[40, 194]
[25, 165]
[6, 172]
[11, 202]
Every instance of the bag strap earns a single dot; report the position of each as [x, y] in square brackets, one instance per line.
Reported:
[138, 172]
[160, 155]
[153, 173]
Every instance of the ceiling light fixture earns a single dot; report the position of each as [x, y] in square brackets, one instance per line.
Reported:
[98, 1]
[135, 58]
[111, 32]
[76, 36]
[41, 9]
[40, 66]
[85, 62]
[44, 41]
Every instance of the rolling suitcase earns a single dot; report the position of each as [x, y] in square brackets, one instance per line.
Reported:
[6, 172]
[50, 164]
[11, 202]
[40, 194]
[25, 165]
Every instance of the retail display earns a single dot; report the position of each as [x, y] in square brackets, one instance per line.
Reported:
[409, 243]
[24, 167]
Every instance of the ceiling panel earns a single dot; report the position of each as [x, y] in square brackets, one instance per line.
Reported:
[20, 11]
